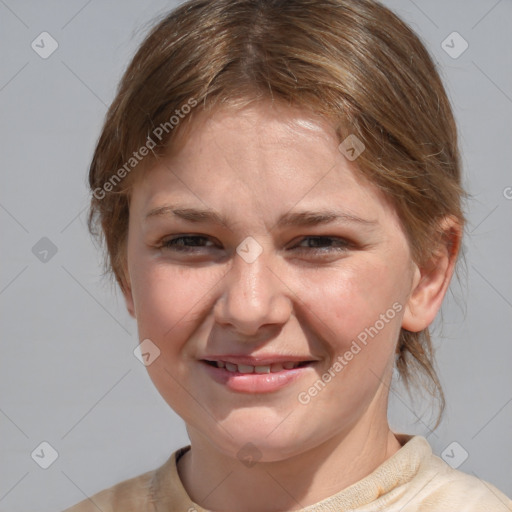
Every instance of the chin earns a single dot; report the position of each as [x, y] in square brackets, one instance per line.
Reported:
[253, 437]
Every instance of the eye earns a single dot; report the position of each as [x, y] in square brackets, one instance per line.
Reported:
[323, 244]
[188, 243]
[191, 243]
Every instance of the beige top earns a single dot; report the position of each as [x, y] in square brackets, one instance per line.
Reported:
[411, 480]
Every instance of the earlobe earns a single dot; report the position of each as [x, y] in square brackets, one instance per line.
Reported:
[430, 283]
[128, 296]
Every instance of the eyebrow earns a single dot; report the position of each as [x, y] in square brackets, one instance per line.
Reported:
[289, 219]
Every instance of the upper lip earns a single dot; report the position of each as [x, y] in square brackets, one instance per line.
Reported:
[259, 360]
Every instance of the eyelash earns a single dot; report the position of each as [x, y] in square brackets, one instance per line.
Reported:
[173, 246]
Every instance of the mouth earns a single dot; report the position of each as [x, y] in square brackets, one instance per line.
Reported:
[273, 367]
[256, 375]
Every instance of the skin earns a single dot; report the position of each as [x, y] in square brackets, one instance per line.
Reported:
[297, 298]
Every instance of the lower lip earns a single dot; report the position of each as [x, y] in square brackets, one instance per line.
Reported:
[255, 382]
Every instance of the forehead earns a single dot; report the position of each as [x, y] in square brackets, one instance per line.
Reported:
[266, 157]
[263, 124]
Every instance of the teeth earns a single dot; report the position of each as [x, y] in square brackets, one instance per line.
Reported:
[262, 369]
[246, 368]
[231, 367]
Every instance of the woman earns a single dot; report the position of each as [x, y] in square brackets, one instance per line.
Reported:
[279, 188]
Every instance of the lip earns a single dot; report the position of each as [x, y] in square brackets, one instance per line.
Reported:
[259, 360]
[256, 383]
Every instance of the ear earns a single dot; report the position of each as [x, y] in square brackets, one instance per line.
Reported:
[431, 281]
[128, 297]
[126, 288]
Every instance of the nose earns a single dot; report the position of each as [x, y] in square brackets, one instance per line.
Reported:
[254, 297]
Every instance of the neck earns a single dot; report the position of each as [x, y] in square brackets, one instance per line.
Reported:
[217, 482]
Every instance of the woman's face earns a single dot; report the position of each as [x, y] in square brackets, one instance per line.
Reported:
[272, 278]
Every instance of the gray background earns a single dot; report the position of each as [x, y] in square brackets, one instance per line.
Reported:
[68, 373]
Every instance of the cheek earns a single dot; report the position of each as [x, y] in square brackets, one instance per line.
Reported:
[356, 312]
[171, 304]
[169, 298]
[355, 294]
[352, 301]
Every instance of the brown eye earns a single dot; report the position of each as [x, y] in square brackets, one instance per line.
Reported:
[187, 243]
[324, 243]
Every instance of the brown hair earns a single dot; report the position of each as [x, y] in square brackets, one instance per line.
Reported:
[352, 61]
